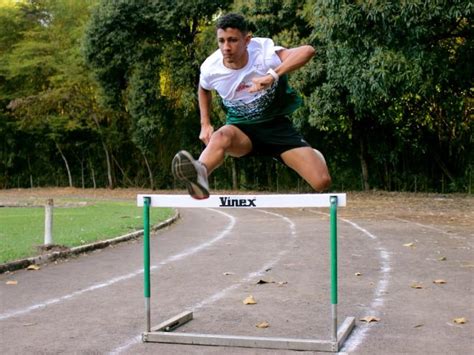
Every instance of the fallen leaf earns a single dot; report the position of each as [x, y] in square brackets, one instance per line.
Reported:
[443, 258]
[418, 326]
[439, 282]
[12, 282]
[33, 267]
[369, 319]
[250, 300]
[417, 286]
[228, 273]
[358, 274]
[262, 282]
[263, 325]
[281, 283]
[409, 245]
[461, 320]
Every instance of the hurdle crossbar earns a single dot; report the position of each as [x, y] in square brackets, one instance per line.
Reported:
[162, 333]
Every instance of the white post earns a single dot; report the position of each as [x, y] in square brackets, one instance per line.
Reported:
[48, 222]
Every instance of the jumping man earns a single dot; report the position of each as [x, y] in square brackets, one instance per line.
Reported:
[250, 76]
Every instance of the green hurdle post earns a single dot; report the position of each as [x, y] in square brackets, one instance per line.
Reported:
[146, 258]
[333, 232]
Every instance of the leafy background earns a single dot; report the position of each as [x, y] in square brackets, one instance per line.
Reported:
[97, 93]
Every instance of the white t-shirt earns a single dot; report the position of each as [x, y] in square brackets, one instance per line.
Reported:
[232, 84]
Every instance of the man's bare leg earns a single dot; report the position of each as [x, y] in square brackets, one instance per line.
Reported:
[193, 173]
[226, 140]
[310, 165]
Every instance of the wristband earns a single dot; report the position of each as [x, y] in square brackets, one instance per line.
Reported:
[273, 74]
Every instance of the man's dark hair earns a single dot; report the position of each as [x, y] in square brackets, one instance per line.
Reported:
[233, 20]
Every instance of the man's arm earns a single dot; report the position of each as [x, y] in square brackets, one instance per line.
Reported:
[205, 100]
[291, 59]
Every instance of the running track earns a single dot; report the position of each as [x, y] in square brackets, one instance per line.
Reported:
[208, 262]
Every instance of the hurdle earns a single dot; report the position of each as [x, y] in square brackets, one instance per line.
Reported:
[162, 333]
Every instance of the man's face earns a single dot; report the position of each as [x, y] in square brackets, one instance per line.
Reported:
[233, 44]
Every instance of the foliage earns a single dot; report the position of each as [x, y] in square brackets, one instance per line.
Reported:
[394, 72]
[103, 93]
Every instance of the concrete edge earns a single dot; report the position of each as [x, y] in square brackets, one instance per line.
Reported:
[41, 259]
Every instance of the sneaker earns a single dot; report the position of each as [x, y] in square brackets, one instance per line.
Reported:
[192, 173]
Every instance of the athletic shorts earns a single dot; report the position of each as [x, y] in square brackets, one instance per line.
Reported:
[272, 138]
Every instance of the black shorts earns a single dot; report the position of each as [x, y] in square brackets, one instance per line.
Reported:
[272, 138]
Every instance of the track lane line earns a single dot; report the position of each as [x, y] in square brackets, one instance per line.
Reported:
[222, 293]
[357, 336]
[187, 252]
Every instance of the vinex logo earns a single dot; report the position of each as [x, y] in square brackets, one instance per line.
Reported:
[237, 202]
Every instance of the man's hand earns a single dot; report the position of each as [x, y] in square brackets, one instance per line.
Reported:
[206, 133]
[261, 83]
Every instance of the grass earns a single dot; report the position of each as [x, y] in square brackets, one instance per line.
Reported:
[22, 229]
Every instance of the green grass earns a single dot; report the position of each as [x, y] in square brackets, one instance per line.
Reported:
[22, 229]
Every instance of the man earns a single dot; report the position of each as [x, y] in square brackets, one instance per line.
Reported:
[250, 76]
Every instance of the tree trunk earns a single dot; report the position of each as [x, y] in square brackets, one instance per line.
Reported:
[109, 166]
[94, 184]
[82, 174]
[66, 164]
[31, 174]
[107, 155]
[130, 182]
[150, 173]
[363, 165]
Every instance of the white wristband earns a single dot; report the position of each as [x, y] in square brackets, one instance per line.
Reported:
[273, 74]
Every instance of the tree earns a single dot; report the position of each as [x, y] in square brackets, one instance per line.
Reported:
[138, 51]
[391, 68]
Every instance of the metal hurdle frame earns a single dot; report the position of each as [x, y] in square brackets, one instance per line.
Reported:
[162, 333]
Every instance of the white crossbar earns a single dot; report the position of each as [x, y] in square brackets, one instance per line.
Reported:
[245, 201]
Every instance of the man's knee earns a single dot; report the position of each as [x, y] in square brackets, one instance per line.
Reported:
[221, 138]
[321, 182]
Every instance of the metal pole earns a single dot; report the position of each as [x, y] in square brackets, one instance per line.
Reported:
[146, 259]
[333, 232]
[48, 222]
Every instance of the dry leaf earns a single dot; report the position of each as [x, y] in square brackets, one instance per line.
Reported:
[409, 245]
[12, 282]
[281, 283]
[418, 326]
[358, 274]
[228, 273]
[263, 325]
[262, 282]
[439, 282]
[369, 319]
[443, 258]
[250, 300]
[461, 320]
[33, 267]
[417, 286]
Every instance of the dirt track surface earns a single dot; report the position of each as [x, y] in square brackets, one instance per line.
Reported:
[391, 249]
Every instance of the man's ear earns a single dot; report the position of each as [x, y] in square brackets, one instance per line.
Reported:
[248, 37]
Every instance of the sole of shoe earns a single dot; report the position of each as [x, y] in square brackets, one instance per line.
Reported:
[183, 170]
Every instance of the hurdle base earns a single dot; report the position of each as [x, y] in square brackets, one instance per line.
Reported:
[161, 334]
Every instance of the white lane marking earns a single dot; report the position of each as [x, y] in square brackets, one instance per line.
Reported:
[215, 297]
[125, 346]
[218, 295]
[427, 226]
[185, 253]
[359, 334]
